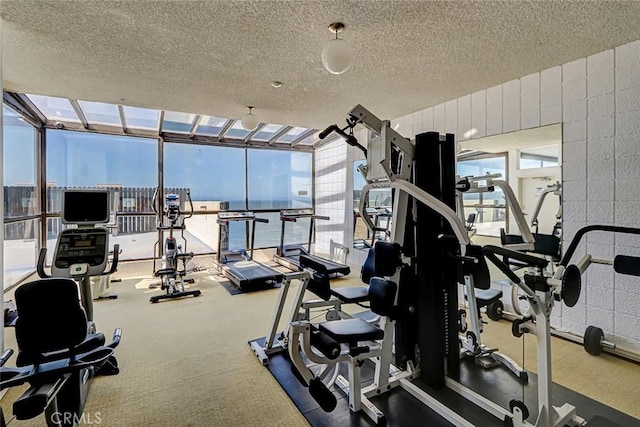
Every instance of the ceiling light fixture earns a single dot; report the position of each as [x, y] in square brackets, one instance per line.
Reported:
[337, 55]
[249, 121]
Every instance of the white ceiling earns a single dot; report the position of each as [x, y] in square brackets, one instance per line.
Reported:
[216, 57]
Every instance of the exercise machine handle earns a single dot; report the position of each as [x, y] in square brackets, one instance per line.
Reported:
[117, 334]
[530, 260]
[42, 256]
[190, 204]
[154, 200]
[576, 239]
[5, 356]
[114, 262]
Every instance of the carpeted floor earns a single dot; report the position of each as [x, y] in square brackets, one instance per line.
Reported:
[187, 362]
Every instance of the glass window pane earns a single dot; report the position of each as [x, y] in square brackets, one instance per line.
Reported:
[141, 118]
[214, 174]
[211, 126]
[237, 131]
[540, 157]
[55, 109]
[127, 166]
[215, 177]
[19, 163]
[20, 249]
[292, 135]
[268, 234]
[177, 122]
[267, 132]
[101, 113]
[278, 179]
[311, 139]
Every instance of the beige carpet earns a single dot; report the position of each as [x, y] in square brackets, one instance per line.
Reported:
[187, 362]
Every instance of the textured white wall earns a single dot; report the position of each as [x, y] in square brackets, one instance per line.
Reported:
[331, 171]
[597, 100]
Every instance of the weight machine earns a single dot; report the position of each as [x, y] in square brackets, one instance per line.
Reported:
[433, 253]
[171, 274]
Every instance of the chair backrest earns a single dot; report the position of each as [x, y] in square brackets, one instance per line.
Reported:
[388, 257]
[368, 268]
[382, 296]
[50, 318]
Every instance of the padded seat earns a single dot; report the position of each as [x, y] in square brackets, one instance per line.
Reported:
[351, 330]
[487, 296]
[165, 272]
[351, 295]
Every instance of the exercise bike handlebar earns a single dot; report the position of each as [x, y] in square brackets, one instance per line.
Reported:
[42, 256]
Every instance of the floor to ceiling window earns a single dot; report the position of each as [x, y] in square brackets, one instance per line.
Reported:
[126, 166]
[279, 180]
[21, 209]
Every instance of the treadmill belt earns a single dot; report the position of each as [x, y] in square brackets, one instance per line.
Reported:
[249, 275]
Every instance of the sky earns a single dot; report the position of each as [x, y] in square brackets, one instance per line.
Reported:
[212, 173]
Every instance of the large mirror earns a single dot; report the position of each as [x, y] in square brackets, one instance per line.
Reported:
[529, 163]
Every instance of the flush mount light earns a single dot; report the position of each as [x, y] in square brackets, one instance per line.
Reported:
[249, 121]
[337, 55]
[276, 84]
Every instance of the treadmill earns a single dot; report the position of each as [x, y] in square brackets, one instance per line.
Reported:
[236, 264]
[289, 255]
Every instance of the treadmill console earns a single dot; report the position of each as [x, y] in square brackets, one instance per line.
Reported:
[296, 213]
[81, 246]
[235, 216]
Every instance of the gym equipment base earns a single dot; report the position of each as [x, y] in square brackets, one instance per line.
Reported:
[179, 294]
[402, 409]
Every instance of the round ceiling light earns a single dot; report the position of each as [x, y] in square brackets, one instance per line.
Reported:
[337, 55]
[249, 121]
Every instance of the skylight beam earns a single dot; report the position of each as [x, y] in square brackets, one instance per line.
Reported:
[122, 120]
[226, 128]
[280, 134]
[302, 137]
[247, 139]
[196, 122]
[76, 107]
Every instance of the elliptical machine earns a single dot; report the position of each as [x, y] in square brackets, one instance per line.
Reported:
[171, 275]
[59, 349]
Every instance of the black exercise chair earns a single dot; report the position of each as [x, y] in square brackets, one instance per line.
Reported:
[57, 356]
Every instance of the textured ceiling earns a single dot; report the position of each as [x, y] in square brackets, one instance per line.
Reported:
[215, 57]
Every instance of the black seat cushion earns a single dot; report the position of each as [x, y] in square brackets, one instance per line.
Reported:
[165, 272]
[382, 296]
[351, 330]
[488, 296]
[50, 318]
[351, 295]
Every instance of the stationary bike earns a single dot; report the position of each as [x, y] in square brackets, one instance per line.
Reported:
[171, 273]
[59, 348]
